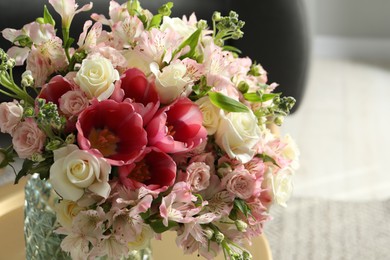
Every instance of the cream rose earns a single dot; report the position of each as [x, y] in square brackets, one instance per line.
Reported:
[28, 139]
[211, 114]
[10, 115]
[291, 151]
[142, 240]
[75, 170]
[171, 82]
[66, 210]
[281, 185]
[96, 78]
[238, 134]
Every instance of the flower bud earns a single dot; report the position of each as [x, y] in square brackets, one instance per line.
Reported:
[247, 255]
[209, 233]
[279, 120]
[217, 16]
[243, 87]
[70, 139]
[241, 225]
[202, 24]
[53, 145]
[219, 237]
[37, 157]
[27, 79]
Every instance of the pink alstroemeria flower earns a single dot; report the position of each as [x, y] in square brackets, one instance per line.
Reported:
[177, 128]
[156, 170]
[67, 9]
[112, 130]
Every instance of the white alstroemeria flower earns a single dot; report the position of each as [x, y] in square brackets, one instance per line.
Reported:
[67, 9]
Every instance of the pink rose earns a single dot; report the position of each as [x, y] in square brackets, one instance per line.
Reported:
[198, 176]
[112, 130]
[240, 183]
[10, 115]
[73, 102]
[28, 139]
[177, 128]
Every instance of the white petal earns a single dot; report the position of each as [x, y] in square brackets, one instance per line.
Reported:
[61, 184]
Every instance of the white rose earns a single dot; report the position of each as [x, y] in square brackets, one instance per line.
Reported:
[75, 170]
[291, 151]
[96, 78]
[171, 82]
[281, 185]
[237, 135]
[177, 25]
[66, 210]
[142, 240]
[211, 114]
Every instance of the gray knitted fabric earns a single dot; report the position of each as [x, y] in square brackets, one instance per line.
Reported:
[315, 229]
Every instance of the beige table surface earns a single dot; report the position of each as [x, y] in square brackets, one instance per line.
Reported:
[12, 240]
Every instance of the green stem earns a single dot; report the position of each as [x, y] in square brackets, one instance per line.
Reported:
[65, 35]
[8, 94]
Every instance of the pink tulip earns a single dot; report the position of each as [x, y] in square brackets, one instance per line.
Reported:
[177, 127]
[112, 130]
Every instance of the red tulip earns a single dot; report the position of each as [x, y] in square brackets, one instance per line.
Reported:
[177, 128]
[112, 130]
[156, 171]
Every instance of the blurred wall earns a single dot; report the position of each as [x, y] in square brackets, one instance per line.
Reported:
[349, 18]
[352, 18]
[350, 28]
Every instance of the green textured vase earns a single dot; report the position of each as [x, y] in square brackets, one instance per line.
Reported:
[40, 222]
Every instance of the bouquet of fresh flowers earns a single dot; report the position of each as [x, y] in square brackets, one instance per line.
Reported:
[146, 124]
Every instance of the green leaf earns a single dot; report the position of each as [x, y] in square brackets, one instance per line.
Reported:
[27, 164]
[156, 20]
[242, 206]
[30, 167]
[227, 103]
[47, 18]
[192, 41]
[159, 227]
[231, 48]
[256, 97]
[267, 158]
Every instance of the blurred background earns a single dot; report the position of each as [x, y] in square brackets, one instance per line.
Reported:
[340, 206]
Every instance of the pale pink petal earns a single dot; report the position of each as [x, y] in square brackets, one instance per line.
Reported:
[19, 54]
